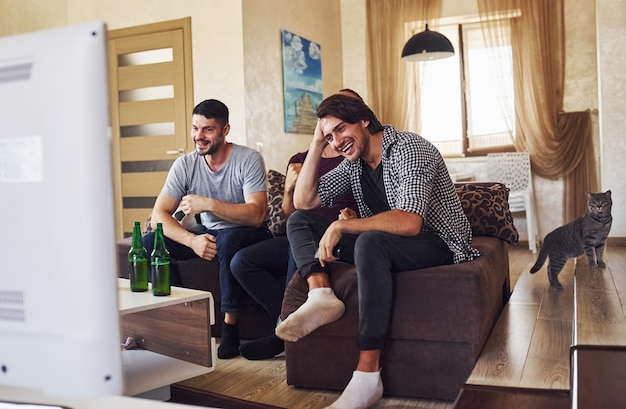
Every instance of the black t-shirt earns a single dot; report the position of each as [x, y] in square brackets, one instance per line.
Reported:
[374, 188]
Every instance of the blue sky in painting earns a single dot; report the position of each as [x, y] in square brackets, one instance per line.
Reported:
[302, 76]
[302, 63]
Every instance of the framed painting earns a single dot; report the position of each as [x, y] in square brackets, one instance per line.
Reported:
[302, 82]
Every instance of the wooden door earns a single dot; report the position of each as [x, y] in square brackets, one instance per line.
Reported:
[151, 102]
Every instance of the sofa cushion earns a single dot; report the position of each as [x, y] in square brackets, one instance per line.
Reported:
[486, 206]
[275, 192]
[453, 303]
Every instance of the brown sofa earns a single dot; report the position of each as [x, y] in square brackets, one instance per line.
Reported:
[441, 316]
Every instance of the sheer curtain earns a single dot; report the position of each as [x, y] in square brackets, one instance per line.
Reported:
[389, 86]
[560, 143]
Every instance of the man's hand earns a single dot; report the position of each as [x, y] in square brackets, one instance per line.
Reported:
[318, 135]
[204, 246]
[293, 170]
[193, 204]
[327, 244]
[347, 213]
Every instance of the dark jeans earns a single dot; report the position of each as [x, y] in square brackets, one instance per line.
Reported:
[376, 256]
[229, 242]
[263, 269]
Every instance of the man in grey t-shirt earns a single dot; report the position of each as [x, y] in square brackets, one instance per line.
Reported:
[225, 184]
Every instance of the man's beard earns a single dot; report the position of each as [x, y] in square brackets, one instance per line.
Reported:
[211, 150]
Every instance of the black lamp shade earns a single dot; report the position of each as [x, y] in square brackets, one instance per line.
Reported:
[427, 45]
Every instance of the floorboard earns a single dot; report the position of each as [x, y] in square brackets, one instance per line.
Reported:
[529, 346]
[599, 342]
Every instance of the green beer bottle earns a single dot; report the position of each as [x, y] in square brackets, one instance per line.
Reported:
[137, 262]
[160, 261]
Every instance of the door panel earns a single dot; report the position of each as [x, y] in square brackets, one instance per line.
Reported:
[144, 148]
[147, 112]
[142, 184]
[151, 102]
[142, 76]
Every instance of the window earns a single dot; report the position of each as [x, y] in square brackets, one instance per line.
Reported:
[465, 103]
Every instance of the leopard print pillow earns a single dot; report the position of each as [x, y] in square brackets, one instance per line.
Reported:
[275, 189]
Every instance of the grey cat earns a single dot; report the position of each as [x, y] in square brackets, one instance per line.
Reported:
[586, 234]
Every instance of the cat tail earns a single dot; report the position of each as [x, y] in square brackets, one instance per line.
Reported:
[541, 258]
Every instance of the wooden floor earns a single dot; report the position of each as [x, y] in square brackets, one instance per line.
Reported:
[529, 348]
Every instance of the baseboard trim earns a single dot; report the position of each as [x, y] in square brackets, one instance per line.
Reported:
[616, 241]
[611, 241]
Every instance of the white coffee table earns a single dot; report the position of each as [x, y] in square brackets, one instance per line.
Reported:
[173, 334]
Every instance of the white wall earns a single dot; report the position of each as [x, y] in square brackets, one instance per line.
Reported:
[319, 22]
[354, 44]
[217, 32]
[611, 37]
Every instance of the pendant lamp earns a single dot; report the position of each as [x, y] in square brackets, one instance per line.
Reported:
[427, 45]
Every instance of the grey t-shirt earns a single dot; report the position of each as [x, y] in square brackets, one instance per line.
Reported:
[243, 173]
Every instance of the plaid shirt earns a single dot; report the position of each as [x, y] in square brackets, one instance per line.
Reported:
[417, 181]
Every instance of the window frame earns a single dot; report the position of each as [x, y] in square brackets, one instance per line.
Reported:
[465, 101]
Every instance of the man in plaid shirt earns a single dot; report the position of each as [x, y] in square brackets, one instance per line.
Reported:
[409, 218]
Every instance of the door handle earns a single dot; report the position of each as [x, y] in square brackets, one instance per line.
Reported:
[179, 152]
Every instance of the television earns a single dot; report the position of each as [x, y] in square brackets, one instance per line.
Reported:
[59, 317]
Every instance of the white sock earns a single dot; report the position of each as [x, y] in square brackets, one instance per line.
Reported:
[320, 308]
[364, 390]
